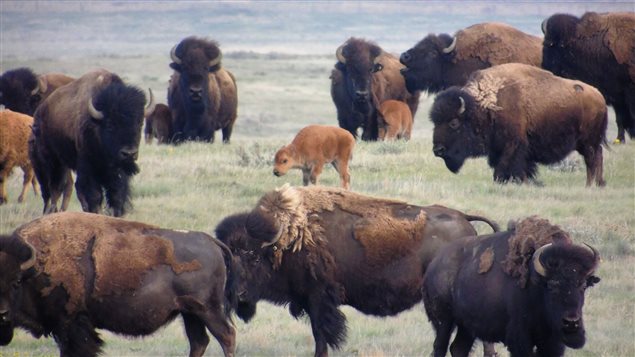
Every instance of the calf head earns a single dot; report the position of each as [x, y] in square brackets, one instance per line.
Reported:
[563, 272]
[284, 160]
[16, 260]
[20, 90]
[425, 63]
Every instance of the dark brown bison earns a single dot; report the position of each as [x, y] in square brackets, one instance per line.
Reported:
[316, 248]
[365, 76]
[92, 126]
[440, 61]
[598, 49]
[520, 115]
[158, 122]
[98, 272]
[202, 96]
[524, 287]
[22, 91]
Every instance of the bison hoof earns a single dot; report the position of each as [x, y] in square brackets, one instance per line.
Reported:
[619, 141]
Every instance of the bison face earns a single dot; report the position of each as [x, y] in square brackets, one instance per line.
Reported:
[357, 59]
[426, 63]
[565, 272]
[19, 91]
[559, 31]
[283, 161]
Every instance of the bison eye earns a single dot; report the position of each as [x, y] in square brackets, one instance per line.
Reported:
[376, 68]
[284, 161]
[454, 124]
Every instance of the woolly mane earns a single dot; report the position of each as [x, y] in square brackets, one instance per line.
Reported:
[484, 87]
[529, 235]
[70, 245]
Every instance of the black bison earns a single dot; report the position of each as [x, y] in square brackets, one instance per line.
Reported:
[92, 126]
[98, 272]
[524, 287]
[520, 115]
[22, 91]
[158, 122]
[598, 49]
[438, 62]
[316, 248]
[202, 95]
[364, 77]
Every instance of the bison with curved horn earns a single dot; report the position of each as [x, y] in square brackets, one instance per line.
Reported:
[21, 90]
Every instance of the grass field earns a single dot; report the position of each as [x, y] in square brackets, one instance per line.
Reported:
[195, 185]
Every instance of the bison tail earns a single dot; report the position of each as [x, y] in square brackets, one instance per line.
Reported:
[231, 284]
[491, 223]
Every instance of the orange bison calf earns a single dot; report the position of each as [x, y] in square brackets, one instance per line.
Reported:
[15, 129]
[313, 147]
[395, 120]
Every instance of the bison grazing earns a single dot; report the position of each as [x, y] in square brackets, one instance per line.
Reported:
[202, 96]
[519, 115]
[22, 91]
[598, 49]
[316, 248]
[516, 287]
[94, 271]
[158, 122]
[92, 126]
[395, 120]
[313, 147]
[439, 62]
[14, 151]
[364, 77]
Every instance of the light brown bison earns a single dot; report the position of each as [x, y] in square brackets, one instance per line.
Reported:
[158, 122]
[520, 115]
[92, 126]
[395, 120]
[22, 91]
[316, 248]
[365, 76]
[98, 272]
[202, 95]
[15, 129]
[314, 146]
[439, 62]
[598, 49]
[523, 287]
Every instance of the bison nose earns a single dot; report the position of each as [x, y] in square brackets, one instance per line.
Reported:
[196, 92]
[4, 315]
[128, 154]
[571, 323]
[405, 58]
[276, 172]
[439, 150]
[361, 96]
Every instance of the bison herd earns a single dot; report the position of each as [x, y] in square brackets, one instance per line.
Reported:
[517, 99]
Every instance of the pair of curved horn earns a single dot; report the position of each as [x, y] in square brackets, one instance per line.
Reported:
[151, 104]
[213, 62]
[31, 261]
[94, 113]
[540, 269]
[462, 107]
[451, 47]
[339, 55]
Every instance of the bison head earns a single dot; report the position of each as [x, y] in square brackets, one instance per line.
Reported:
[455, 136]
[426, 63]
[559, 31]
[357, 60]
[20, 90]
[16, 259]
[283, 160]
[563, 272]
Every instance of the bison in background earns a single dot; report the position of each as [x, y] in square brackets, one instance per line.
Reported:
[202, 95]
[365, 76]
[394, 120]
[158, 122]
[523, 287]
[316, 248]
[598, 49]
[15, 129]
[22, 91]
[520, 115]
[92, 126]
[98, 272]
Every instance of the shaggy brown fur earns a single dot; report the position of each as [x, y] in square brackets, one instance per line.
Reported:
[62, 240]
[395, 120]
[49, 82]
[530, 234]
[15, 129]
[314, 146]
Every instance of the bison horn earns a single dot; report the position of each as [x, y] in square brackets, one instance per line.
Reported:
[543, 26]
[339, 55]
[275, 240]
[38, 86]
[596, 256]
[216, 60]
[173, 55]
[31, 261]
[93, 111]
[451, 47]
[151, 104]
[538, 267]
[462, 108]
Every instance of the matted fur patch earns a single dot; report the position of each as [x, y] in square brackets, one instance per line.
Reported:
[486, 260]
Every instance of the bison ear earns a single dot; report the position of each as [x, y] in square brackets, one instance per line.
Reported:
[175, 66]
[340, 66]
[262, 225]
[592, 280]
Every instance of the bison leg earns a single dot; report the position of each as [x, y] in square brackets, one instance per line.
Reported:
[306, 175]
[77, 338]
[218, 325]
[89, 193]
[462, 344]
[68, 191]
[227, 133]
[621, 117]
[28, 180]
[52, 184]
[341, 166]
[118, 194]
[316, 171]
[328, 323]
[196, 334]
[5, 170]
[513, 164]
[594, 164]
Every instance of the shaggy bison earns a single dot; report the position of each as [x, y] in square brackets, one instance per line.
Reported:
[440, 61]
[395, 120]
[598, 49]
[14, 151]
[524, 287]
[22, 91]
[316, 248]
[365, 76]
[98, 272]
[92, 126]
[520, 115]
[202, 95]
[313, 147]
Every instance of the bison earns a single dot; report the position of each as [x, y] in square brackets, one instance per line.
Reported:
[395, 120]
[14, 151]
[523, 287]
[314, 146]
[440, 61]
[202, 95]
[365, 76]
[315, 248]
[22, 91]
[92, 126]
[598, 49]
[520, 115]
[99, 272]
[158, 122]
